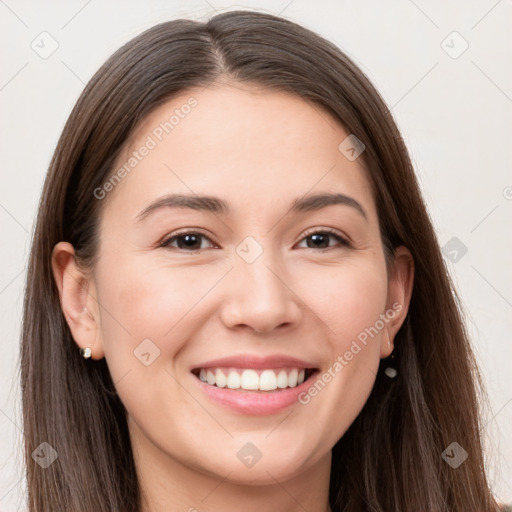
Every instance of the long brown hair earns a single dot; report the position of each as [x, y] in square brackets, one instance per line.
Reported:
[390, 459]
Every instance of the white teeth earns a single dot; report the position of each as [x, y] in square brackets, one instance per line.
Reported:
[249, 379]
[282, 380]
[268, 380]
[292, 378]
[233, 380]
[210, 378]
[220, 379]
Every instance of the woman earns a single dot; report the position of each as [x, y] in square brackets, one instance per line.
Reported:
[232, 236]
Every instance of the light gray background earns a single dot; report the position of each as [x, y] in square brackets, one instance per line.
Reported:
[455, 115]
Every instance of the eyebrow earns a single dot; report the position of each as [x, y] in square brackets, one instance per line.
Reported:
[312, 202]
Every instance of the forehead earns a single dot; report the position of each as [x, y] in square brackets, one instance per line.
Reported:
[251, 146]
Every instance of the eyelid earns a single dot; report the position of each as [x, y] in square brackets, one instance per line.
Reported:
[187, 231]
[344, 240]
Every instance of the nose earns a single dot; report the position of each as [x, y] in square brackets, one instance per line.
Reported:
[260, 297]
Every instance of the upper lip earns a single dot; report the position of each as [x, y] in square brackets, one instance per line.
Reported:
[256, 362]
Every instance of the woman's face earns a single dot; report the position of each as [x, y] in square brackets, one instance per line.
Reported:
[273, 283]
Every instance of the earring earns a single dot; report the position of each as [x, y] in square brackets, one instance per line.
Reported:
[390, 371]
[86, 352]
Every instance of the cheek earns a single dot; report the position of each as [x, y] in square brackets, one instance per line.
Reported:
[153, 311]
[348, 299]
[141, 301]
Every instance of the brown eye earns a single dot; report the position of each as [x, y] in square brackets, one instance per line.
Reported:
[187, 241]
[321, 239]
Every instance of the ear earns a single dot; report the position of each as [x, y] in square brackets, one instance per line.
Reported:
[400, 285]
[78, 299]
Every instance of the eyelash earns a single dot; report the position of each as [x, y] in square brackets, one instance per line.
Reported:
[166, 243]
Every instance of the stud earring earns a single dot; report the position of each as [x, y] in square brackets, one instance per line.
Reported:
[86, 352]
[390, 371]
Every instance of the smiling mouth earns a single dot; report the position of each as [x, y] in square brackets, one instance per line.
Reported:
[249, 379]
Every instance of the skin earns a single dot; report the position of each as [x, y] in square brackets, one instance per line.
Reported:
[258, 151]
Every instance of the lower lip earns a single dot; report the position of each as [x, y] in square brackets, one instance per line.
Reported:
[256, 403]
